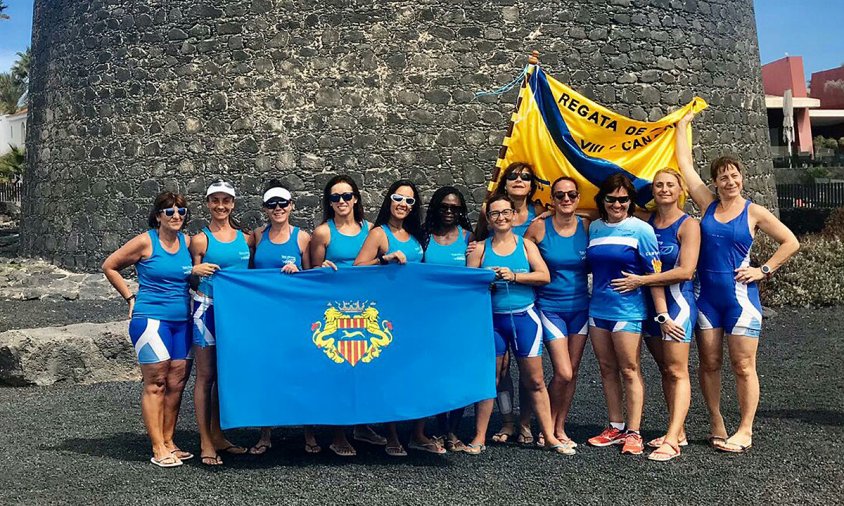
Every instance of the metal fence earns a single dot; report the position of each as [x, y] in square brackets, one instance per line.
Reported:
[818, 195]
[10, 192]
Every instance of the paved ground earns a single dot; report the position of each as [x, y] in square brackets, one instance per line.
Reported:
[72, 444]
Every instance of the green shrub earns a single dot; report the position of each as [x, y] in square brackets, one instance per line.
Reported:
[834, 225]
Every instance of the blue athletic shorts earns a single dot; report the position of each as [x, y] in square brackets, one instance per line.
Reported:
[724, 303]
[521, 330]
[682, 310]
[159, 340]
[634, 326]
[559, 324]
[203, 322]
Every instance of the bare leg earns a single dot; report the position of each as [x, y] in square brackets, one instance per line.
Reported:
[558, 349]
[177, 376]
[628, 349]
[676, 373]
[577, 343]
[533, 381]
[711, 355]
[505, 399]
[610, 381]
[743, 361]
[656, 346]
[206, 368]
[153, 407]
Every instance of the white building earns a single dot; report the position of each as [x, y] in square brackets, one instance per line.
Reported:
[12, 131]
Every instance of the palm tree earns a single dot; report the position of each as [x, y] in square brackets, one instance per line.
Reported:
[20, 70]
[10, 92]
[12, 164]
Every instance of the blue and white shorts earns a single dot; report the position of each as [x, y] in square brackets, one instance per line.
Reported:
[522, 330]
[203, 321]
[634, 326]
[559, 324]
[160, 340]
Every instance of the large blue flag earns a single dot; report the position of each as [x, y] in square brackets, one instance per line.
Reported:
[357, 345]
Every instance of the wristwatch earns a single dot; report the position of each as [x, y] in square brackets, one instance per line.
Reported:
[661, 318]
[767, 271]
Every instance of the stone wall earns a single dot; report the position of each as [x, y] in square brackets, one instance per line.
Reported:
[130, 97]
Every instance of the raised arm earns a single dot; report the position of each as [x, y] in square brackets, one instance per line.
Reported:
[683, 151]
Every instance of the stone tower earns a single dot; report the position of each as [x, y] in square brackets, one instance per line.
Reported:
[130, 97]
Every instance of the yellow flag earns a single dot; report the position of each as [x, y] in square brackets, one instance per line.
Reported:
[562, 133]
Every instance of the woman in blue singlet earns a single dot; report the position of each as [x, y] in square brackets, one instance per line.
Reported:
[448, 234]
[668, 336]
[519, 267]
[397, 237]
[517, 181]
[221, 245]
[337, 241]
[280, 245]
[564, 302]
[728, 304]
[159, 318]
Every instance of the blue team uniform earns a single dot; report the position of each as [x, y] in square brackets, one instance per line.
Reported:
[514, 319]
[680, 297]
[228, 255]
[564, 302]
[343, 249]
[411, 248]
[160, 323]
[271, 255]
[724, 302]
[448, 254]
[521, 230]
[628, 246]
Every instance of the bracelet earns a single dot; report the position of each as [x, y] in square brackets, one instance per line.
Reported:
[127, 299]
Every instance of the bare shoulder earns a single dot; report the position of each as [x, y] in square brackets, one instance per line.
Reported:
[536, 231]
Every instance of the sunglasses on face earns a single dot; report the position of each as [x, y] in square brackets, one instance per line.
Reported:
[346, 197]
[494, 215]
[401, 198]
[609, 199]
[524, 176]
[572, 195]
[277, 204]
[170, 212]
[450, 209]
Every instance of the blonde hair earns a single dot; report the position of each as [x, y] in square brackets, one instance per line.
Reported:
[684, 190]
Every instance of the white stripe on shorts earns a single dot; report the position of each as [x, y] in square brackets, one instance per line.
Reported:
[537, 340]
[151, 337]
[550, 327]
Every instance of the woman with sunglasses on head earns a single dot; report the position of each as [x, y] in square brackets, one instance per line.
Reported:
[562, 239]
[518, 182]
[448, 235]
[669, 335]
[728, 304]
[516, 324]
[335, 243]
[280, 245]
[620, 242]
[397, 237]
[159, 318]
[224, 246]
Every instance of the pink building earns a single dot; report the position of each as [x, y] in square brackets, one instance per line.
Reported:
[777, 77]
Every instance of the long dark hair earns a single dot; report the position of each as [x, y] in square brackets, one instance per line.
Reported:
[413, 222]
[610, 185]
[516, 167]
[432, 216]
[328, 211]
[166, 200]
[233, 222]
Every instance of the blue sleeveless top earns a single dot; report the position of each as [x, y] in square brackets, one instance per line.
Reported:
[509, 297]
[669, 249]
[343, 249]
[228, 255]
[448, 254]
[725, 246]
[411, 247]
[520, 230]
[566, 260]
[271, 255]
[163, 282]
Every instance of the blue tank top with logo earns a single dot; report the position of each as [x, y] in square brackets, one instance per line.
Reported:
[163, 282]
[566, 260]
[411, 248]
[272, 255]
[509, 297]
[669, 248]
[228, 255]
[343, 249]
[448, 254]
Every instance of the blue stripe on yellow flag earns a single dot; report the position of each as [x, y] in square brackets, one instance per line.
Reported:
[563, 133]
[359, 345]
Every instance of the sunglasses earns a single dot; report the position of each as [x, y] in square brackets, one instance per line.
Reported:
[401, 198]
[572, 195]
[170, 212]
[276, 204]
[450, 209]
[524, 176]
[609, 199]
[345, 197]
[494, 215]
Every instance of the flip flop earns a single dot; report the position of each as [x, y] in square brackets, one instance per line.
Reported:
[343, 450]
[260, 449]
[525, 438]
[367, 435]
[312, 448]
[211, 460]
[395, 451]
[734, 447]
[663, 456]
[473, 449]
[168, 461]
[233, 449]
[713, 440]
[181, 454]
[502, 436]
[657, 442]
[455, 445]
[430, 447]
[562, 449]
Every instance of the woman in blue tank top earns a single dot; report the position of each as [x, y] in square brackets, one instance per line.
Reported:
[562, 239]
[159, 318]
[447, 227]
[519, 267]
[668, 335]
[220, 245]
[337, 241]
[729, 295]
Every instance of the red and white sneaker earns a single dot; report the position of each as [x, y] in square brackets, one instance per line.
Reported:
[610, 436]
[633, 444]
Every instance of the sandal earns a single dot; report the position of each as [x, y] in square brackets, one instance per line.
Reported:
[367, 435]
[504, 435]
[181, 454]
[525, 437]
[211, 460]
[455, 445]
[233, 449]
[343, 450]
[562, 449]
[430, 447]
[474, 449]
[312, 448]
[657, 442]
[729, 447]
[664, 456]
[396, 450]
[168, 461]
[715, 441]
[260, 449]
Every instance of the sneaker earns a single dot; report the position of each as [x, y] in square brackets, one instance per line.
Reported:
[610, 436]
[633, 444]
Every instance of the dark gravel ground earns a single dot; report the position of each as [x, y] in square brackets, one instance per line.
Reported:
[75, 444]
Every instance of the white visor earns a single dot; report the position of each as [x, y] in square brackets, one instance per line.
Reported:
[277, 193]
[220, 187]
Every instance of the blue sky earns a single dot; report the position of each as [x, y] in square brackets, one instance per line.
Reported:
[807, 28]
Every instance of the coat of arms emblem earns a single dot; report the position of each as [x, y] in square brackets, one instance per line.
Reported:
[352, 332]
